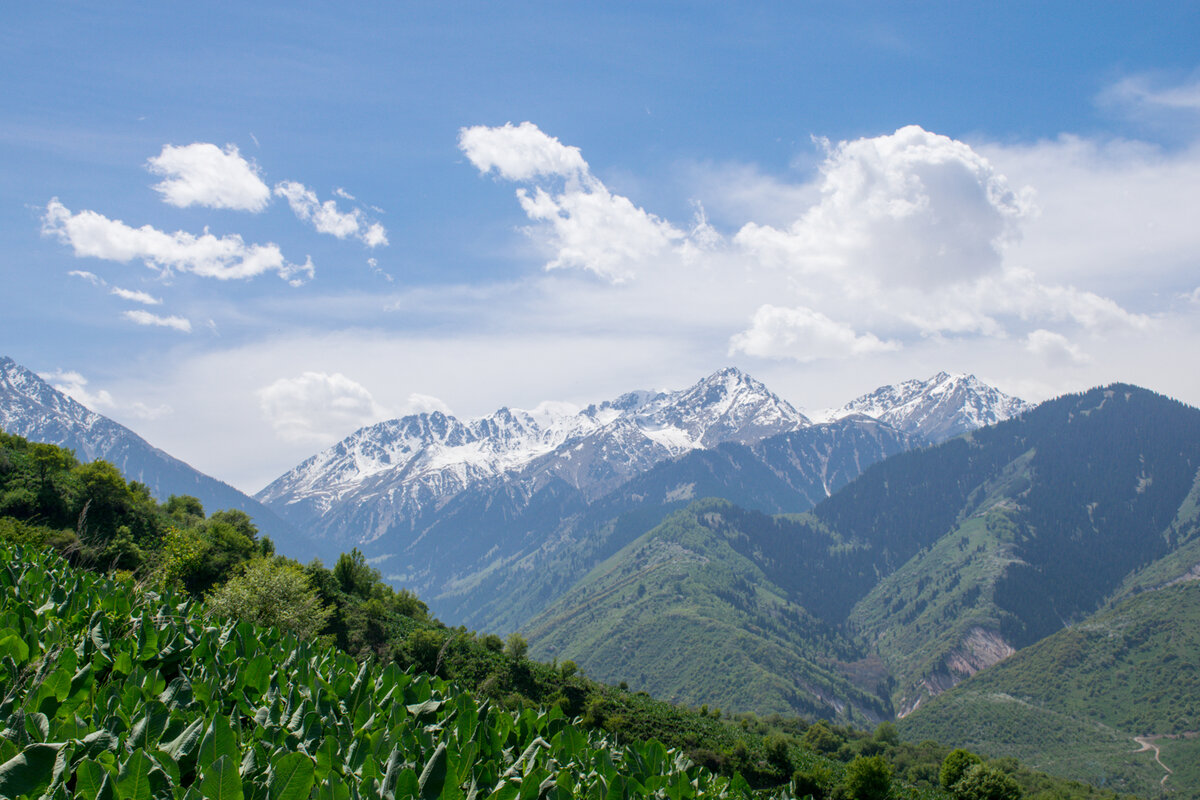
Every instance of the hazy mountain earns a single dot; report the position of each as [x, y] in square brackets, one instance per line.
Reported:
[35, 410]
[936, 409]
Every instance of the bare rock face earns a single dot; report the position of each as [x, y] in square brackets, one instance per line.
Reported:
[979, 649]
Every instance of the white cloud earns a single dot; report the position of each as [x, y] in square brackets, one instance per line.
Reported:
[911, 208]
[342, 193]
[520, 152]
[203, 174]
[1147, 91]
[318, 408]
[582, 224]
[144, 298]
[804, 335]
[226, 258]
[154, 320]
[326, 218]
[425, 404]
[1054, 349]
[90, 277]
[74, 385]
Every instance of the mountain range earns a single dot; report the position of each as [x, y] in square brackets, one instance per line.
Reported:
[464, 512]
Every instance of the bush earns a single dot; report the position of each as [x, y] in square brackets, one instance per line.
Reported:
[955, 765]
[868, 778]
[981, 782]
[272, 592]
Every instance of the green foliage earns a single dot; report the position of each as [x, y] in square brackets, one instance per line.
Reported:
[129, 694]
[271, 592]
[956, 765]
[868, 778]
[983, 782]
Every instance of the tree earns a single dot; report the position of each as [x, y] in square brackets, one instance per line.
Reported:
[955, 765]
[271, 592]
[869, 778]
[982, 782]
[821, 738]
[354, 574]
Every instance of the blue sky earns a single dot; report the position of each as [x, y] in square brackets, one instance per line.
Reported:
[468, 205]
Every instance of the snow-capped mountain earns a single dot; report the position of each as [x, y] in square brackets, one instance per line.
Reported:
[35, 410]
[396, 470]
[936, 409]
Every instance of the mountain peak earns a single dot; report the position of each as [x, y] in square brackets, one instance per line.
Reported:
[940, 408]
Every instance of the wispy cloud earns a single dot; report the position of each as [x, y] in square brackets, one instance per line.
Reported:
[154, 320]
[203, 174]
[327, 218]
[93, 235]
[145, 298]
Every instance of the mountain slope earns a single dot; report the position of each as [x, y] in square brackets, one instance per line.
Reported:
[35, 410]
[686, 612]
[1126, 672]
[789, 473]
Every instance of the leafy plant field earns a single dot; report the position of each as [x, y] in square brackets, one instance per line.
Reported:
[113, 692]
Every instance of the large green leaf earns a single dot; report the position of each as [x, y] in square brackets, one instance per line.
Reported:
[29, 771]
[433, 777]
[133, 781]
[219, 742]
[221, 780]
[291, 777]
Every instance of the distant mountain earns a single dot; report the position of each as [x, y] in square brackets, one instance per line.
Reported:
[461, 510]
[937, 409]
[35, 410]
[389, 474]
[787, 473]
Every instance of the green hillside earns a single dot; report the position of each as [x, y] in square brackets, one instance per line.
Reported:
[682, 614]
[1072, 704]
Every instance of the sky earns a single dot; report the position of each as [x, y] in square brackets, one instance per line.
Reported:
[246, 229]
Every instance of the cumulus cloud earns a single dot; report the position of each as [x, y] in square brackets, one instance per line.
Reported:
[145, 298]
[803, 334]
[226, 257]
[1054, 349]
[154, 320]
[579, 221]
[203, 174]
[317, 407]
[912, 208]
[520, 152]
[327, 218]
